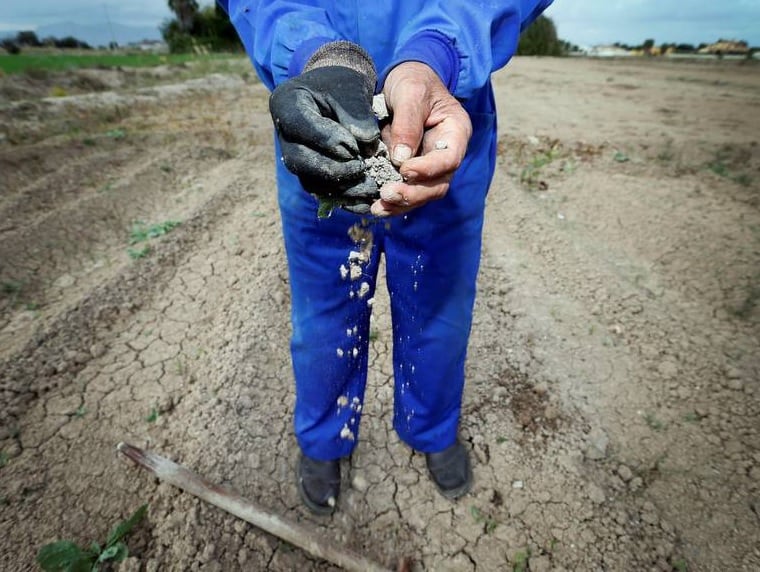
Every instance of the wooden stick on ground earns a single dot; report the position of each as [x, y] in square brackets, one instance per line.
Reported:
[228, 500]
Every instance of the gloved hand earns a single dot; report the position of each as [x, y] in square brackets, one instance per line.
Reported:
[325, 124]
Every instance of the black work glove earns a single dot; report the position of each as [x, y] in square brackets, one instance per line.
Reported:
[325, 124]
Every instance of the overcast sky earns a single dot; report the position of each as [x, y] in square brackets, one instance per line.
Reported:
[584, 22]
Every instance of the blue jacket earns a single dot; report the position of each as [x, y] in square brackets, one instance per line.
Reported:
[463, 41]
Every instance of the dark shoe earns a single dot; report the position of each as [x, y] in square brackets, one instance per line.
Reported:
[450, 470]
[319, 484]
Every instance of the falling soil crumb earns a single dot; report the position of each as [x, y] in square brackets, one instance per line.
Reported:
[342, 401]
[356, 272]
[343, 271]
[380, 107]
[363, 290]
[355, 352]
[339, 352]
[370, 301]
[346, 433]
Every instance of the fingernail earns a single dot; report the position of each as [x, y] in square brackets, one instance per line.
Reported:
[410, 176]
[401, 153]
[390, 195]
[378, 210]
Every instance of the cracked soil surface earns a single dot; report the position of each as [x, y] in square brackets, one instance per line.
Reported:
[614, 365]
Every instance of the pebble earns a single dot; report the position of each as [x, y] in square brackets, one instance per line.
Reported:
[597, 445]
[649, 513]
[97, 349]
[500, 392]
[596, 494]
[540, 564]
[541, 388]
[551, 413]
[625, 473]
[359, 483]
[81, 357]
[735, 384]
[733, 373]
[668, 369]
[518, 484]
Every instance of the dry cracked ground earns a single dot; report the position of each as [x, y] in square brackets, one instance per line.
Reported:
[612, 398]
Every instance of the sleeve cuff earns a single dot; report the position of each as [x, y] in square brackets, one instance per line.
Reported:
[303, 52]
[433, 49]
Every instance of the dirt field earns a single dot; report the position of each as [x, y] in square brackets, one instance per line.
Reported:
[612, 405]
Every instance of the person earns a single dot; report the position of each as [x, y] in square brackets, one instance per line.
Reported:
[432, 60]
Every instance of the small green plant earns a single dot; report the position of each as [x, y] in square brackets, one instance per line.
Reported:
[744, 179]
[653, 423]
[621, 157]
[719, 166]
[500, 440]
[66, 556]
[165, 167]
[116, 134]
[521, 561]
[373, 335]
[10, 288]
[80, 412]
[141, 232]
[680, 565]
[691, 417]
[326, 206]
[4, 458]
[181, 367]
[58, 91]
[488, 522]
[31, 306]
[529, 176]
[88, 142]
[152, 416]
[137, 253]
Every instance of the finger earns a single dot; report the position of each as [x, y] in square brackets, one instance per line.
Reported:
[409, 115]
[366, 189]
[313, 165]
[357, 117]
[383, 209]
[398, 198]
[443, 149]
[299, 119]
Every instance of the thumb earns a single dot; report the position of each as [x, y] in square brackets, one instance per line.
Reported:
[406, 128]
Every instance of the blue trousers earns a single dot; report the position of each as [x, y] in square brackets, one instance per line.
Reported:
[432, 256]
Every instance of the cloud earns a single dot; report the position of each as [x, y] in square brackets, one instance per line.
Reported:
[606, 21]
[18, 15]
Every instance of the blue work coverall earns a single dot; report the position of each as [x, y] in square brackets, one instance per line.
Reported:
[432, 253]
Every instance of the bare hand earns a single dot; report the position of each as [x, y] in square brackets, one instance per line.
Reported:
[427, 137]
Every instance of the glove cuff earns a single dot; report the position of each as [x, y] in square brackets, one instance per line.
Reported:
[345, 54]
